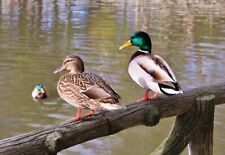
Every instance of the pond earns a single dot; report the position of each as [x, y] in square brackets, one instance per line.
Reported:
[36, 35]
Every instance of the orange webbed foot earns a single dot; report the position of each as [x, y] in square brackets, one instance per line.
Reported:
[147, 97]
[78, 116]
[156, 95]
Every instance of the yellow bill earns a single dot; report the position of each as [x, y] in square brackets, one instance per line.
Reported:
[42, 91]
[127, 44]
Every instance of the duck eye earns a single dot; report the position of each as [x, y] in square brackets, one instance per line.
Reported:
[68, 60]
[131, 40]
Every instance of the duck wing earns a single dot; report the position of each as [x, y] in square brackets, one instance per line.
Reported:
[156, 67]
[160, 72]
[69, 89]
[164, 66]
[97, 88]
[88, 91]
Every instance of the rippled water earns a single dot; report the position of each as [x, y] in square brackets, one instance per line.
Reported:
[36, 35]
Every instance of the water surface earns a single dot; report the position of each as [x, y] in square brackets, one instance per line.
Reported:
[36, 35]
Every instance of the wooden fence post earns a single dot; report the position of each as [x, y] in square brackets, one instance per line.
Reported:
[188, 128]
[202, 141]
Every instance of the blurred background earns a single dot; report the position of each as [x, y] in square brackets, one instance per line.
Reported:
[36, 35]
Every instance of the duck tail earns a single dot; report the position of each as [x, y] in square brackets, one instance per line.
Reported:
[110, 106]
[170, 90]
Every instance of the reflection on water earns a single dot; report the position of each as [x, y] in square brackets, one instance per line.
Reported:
[36, 35]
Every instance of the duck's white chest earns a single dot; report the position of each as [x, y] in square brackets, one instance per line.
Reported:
[141, 77]
[138, 74]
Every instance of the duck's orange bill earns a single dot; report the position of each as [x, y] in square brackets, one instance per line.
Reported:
[59, 70]
[127, 44]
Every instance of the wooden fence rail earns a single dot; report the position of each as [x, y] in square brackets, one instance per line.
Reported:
[194, 110]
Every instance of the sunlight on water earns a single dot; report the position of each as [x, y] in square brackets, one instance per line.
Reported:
[35, 36]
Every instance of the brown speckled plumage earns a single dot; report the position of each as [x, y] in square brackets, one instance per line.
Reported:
[85, 90]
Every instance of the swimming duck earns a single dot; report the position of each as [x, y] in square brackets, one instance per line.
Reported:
[85, 90]
[39, 92]
[150, 71]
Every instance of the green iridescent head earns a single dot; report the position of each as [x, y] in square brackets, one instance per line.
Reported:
[40, 88]
[140, 39]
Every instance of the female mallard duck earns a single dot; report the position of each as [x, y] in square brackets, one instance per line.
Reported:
[85, 90]
[150, 71]
[39, 92]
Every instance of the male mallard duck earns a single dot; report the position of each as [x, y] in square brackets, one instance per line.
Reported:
[150, 71]
[85, 90]
[39, 92]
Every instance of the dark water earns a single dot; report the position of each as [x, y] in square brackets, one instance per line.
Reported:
[36, 35]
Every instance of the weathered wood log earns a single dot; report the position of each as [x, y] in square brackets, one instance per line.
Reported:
[56, 138]
[194, 126]
[202, 141]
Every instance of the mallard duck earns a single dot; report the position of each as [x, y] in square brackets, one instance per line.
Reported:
[39, 92]
[85, 90]
[150, 71]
